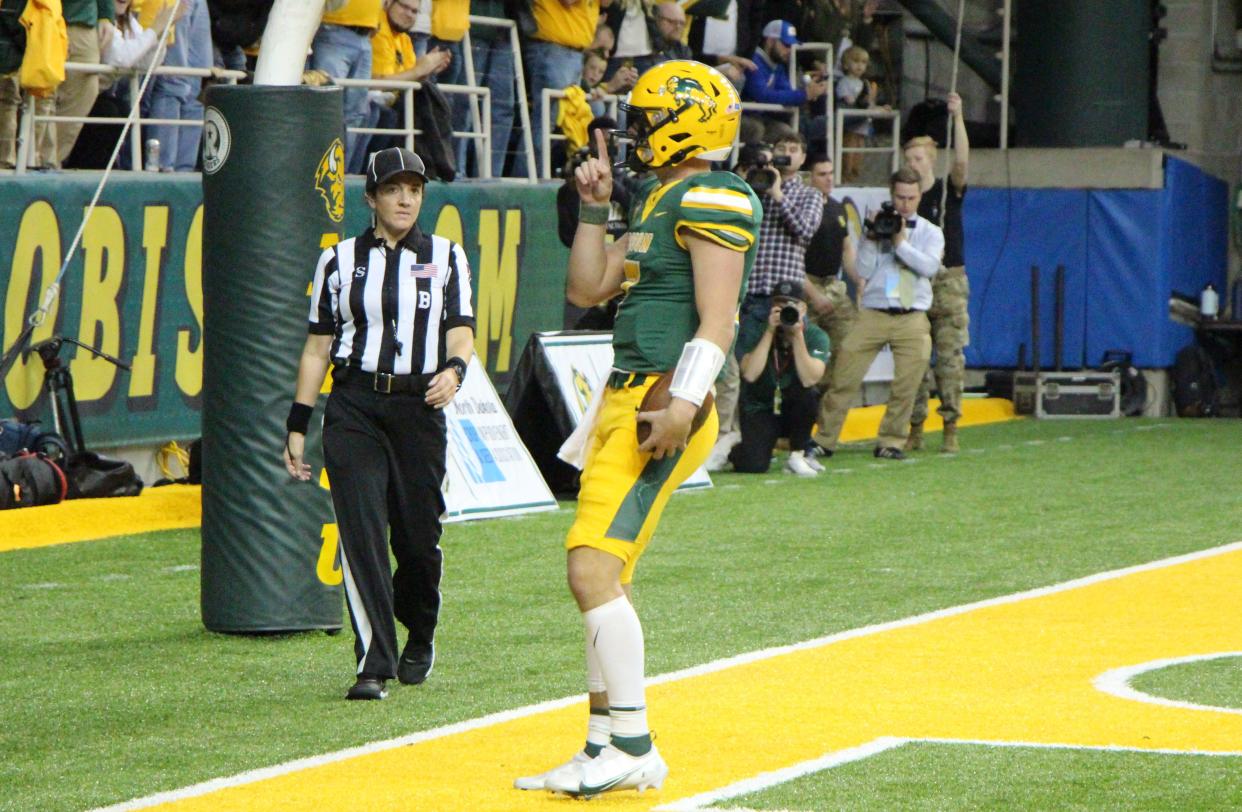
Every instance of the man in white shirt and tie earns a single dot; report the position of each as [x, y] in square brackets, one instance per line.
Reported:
[897, 265]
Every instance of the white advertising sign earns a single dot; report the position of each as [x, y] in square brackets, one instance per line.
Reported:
[490, 472]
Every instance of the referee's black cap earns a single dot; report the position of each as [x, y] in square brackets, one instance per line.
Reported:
[388, 163]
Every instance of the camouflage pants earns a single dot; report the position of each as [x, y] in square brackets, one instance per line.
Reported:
[950, 332]
[836, 324]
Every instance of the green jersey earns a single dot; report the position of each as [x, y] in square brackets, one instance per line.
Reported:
[657, 315]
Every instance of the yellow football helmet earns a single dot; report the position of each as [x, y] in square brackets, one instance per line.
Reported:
[681, 109]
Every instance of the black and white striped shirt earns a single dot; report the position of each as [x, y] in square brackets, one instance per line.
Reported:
[390, 309]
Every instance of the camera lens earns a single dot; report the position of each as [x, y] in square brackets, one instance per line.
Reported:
[790, 315]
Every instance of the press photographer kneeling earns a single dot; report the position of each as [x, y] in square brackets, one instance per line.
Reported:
[781, 359]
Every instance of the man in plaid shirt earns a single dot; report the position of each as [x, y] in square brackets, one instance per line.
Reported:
[792, 211]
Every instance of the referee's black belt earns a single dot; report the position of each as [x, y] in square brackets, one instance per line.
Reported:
[381, 382]
[896, 311]
[620, 379]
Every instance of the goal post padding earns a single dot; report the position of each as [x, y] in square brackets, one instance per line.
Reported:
[273, 197]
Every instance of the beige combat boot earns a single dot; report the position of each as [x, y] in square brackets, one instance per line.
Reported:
[914, 440]
[949, 443]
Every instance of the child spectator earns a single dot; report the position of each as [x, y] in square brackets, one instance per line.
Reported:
[857, 93]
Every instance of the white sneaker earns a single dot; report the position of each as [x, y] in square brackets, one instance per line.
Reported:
[812, 461]
[718, 459]
[798, 464]
[570, 771]
[613, 770]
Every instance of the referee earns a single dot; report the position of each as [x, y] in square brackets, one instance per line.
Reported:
[390, 311]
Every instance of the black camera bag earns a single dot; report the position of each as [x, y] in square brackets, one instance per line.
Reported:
[30, 479]
[92, 476]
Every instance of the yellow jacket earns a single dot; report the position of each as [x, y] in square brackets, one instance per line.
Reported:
[47, 47]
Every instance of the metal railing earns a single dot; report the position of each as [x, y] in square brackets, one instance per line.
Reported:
[30, 117]
[894, 148]
[545, 116]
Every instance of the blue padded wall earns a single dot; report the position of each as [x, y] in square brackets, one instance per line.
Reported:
[1124, 252]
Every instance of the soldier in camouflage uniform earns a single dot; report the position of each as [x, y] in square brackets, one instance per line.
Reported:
[949, 317]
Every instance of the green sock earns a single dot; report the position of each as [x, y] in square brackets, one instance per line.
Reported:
[634, 745]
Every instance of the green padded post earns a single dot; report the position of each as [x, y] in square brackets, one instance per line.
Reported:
[273, 195]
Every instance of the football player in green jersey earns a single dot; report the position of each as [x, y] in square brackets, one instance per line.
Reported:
[680, 271]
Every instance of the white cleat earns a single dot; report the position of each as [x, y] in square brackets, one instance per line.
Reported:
[569, 771]
[799, 465]
[613, 770]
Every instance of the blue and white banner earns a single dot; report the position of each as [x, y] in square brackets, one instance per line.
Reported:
[490, 472]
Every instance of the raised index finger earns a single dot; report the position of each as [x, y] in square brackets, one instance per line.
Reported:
[601, 146]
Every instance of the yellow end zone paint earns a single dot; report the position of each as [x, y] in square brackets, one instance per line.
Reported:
[863, 422]
[1014, 669]
[165, 508]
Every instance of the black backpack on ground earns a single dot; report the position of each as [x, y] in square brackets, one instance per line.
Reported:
[31, 479]
[92, 476]
[1194, 382]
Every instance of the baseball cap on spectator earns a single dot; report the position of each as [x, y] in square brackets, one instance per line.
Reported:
[782, 30]
[787, 290]
[388, 163]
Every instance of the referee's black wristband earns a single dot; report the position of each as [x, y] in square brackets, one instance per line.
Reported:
[299, 417]
[457, 365]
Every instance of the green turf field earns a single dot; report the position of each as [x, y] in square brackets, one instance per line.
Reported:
[112, 689]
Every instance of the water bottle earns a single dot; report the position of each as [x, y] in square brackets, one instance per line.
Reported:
[153, 155]
[1209, 302]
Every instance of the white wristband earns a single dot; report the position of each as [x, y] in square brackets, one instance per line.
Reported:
[696, 371]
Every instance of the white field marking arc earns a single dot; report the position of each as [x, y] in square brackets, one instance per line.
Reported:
[762, 781]
[709, 800]
[1117, 682]
[251, 776]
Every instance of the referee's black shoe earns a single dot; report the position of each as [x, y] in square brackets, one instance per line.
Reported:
[367, 688]
[416, 662]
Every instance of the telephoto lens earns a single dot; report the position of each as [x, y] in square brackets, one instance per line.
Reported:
[790, 316]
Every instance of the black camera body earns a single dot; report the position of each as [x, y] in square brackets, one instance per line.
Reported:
[885, 224]
[762, 176]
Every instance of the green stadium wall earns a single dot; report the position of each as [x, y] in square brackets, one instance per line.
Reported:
[134, 288]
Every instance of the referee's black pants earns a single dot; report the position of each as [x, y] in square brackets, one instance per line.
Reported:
[385, 456]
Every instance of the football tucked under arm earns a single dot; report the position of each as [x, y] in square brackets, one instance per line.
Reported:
[658, 397]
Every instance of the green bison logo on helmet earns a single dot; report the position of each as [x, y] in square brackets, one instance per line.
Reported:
[688, 91]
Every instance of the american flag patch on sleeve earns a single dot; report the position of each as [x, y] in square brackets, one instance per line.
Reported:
[424, 270]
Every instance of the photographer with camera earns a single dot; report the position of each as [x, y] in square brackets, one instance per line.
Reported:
[792, 212]
[781, 358]
[899, 256]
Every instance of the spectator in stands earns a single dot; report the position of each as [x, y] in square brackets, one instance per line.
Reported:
[13, 43]
[177, 97]
[392, 57]
[450, 20]
[631, 27]
[781, 356]
[855, 92]
[830, 253]
[90, 27]
[342, 50]
[898, 261]
[667, 31]
[553, 56]
[949, 314]
[132, 46]
[492, 53]
[770, 82]
[840, 22]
